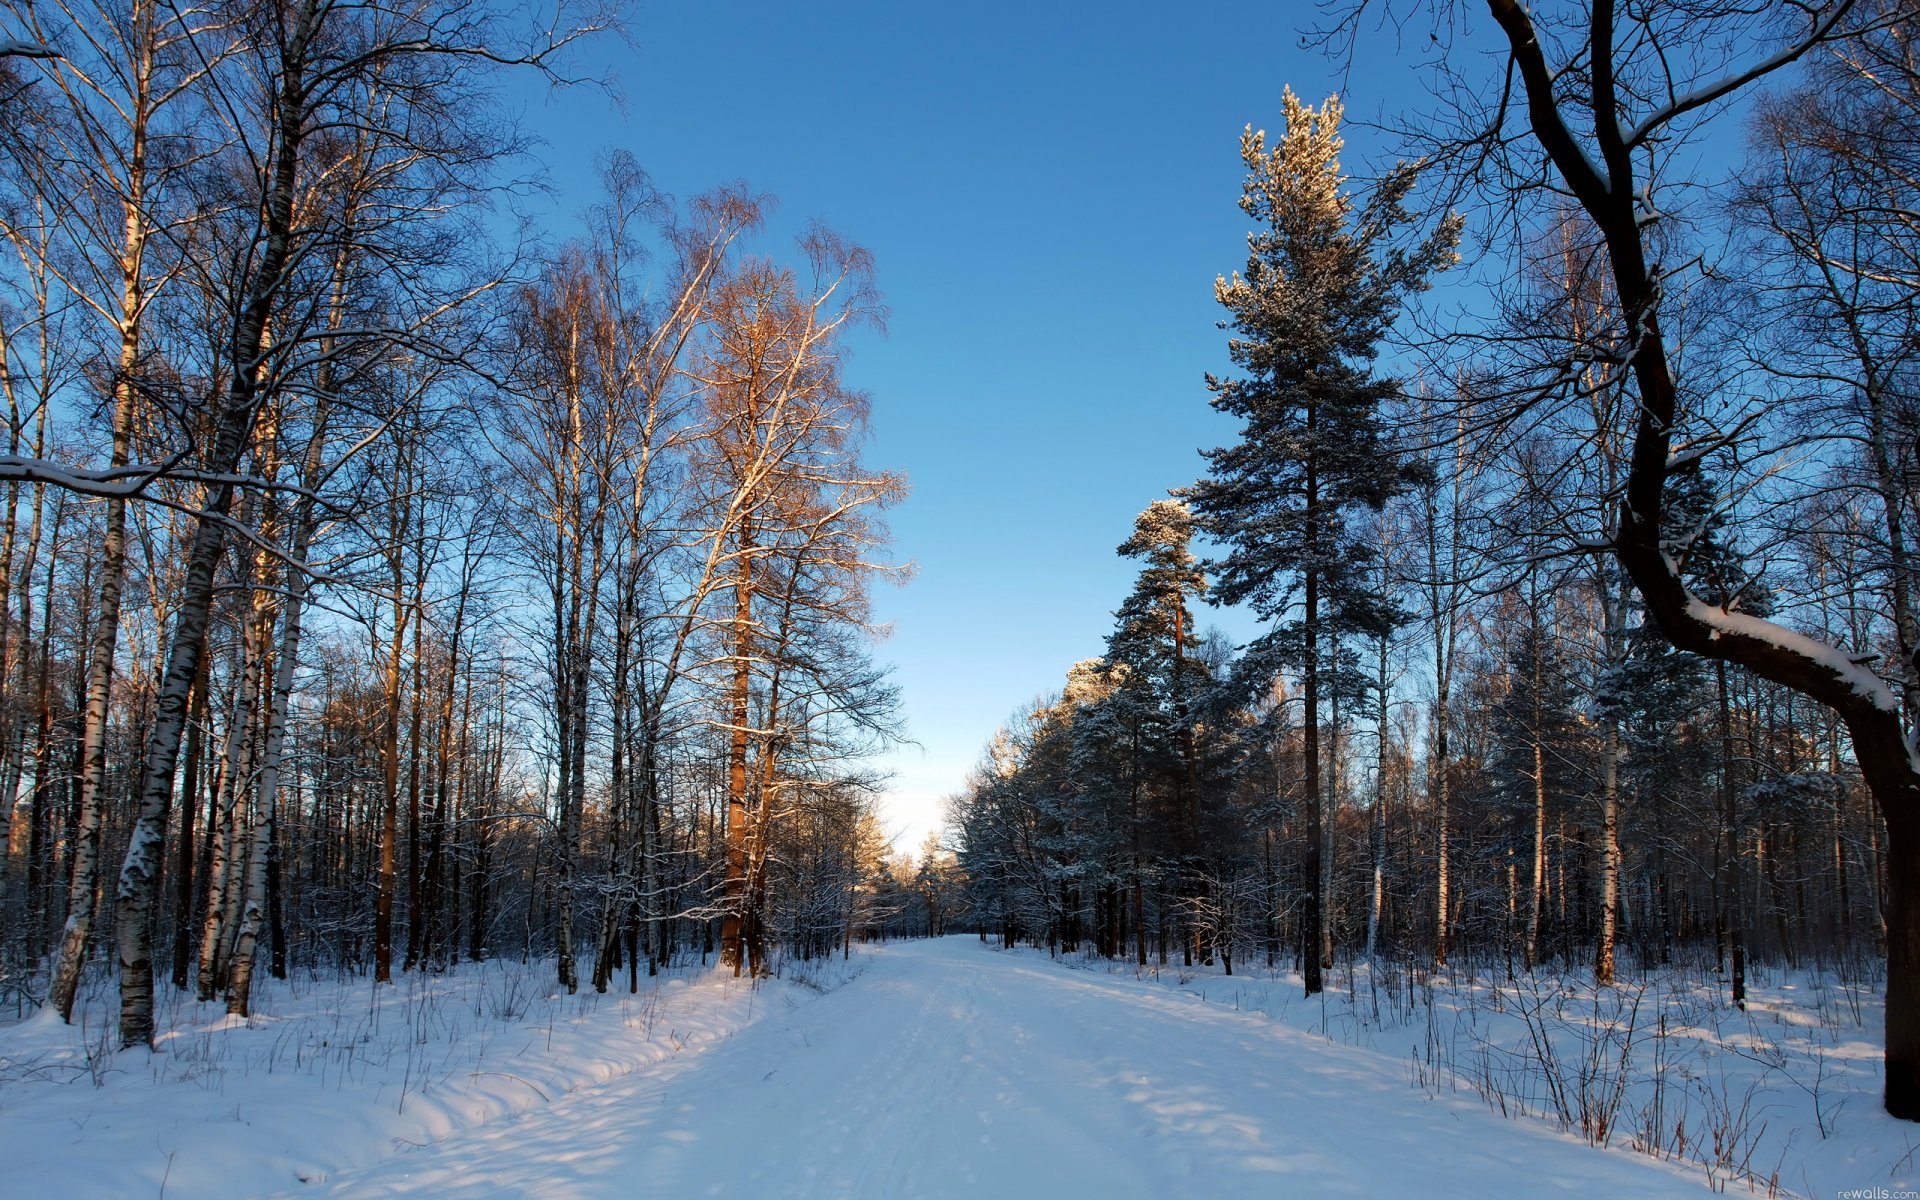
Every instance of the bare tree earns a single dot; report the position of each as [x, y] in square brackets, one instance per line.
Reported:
[119, 83]
[311, 66]
[1594, 95]
[780, 469]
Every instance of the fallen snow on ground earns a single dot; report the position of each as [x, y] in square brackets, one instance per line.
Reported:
[1782, 1098]
[921, 1069]
[339, 1073]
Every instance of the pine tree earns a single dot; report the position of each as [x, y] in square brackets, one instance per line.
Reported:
[1658, 689]
[1695, 536]
[1542, 760]
[1322, 285]
[1151, 650]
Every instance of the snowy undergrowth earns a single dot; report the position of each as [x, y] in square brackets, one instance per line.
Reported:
[333, 1072]
[1782, 1099]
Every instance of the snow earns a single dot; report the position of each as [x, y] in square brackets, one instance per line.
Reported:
[1864, 683]
[330, 1074]
[1782, 1098]
[934, 1069]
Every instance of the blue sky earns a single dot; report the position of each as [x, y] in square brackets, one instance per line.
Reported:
[1049, 192]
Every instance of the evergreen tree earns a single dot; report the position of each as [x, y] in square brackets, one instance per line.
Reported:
[1151, 709]
[1543, 759]
[1321, 287]
[1153, 631]
[1662, 694]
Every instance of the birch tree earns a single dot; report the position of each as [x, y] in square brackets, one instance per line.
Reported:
[780, 466]
[309, 65]
[119, 80]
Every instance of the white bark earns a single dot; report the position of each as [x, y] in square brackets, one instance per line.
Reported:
[1377, 837]
[84, 882]
[266, 801]
[140, 871]
[227, 861]
[1609, 852]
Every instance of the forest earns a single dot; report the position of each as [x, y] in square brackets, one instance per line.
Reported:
[1589, 630]
[384, 590]
[387, 586]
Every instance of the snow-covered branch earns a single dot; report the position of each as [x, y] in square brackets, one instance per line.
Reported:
[15, 48]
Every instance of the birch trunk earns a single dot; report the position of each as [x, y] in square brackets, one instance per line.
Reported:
[185, 856]
[227, 866]
[140, 870]
[416, 881]
[1603, 965]
[15, 793]
[267, 793]
[84, 884]
[1537, 889]
[1377, 838]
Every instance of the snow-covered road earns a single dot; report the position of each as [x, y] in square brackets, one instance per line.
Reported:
[950, 1070]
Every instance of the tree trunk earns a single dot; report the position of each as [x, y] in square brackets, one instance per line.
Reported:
[85, 881]
[227, 862]
[733, 924]
[1609, 851]
[1887, 755]
[272, 753]
[401, 613]
[139, 872]
[1312, 922]
[184, 859]
[1377, 833]
[1330, 810]
[1733, 916]
[1537, 889]
[416, 881]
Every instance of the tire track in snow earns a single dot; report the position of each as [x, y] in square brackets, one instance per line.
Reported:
[949, 1070]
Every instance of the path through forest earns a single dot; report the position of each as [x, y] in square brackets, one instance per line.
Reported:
[948, 1069]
